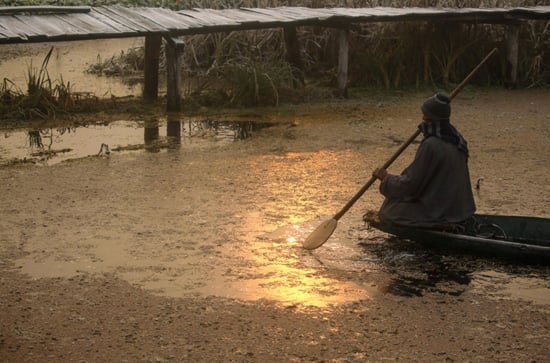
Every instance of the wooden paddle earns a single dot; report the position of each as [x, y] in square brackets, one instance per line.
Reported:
[322, 233]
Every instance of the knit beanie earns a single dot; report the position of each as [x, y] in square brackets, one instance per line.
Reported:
[437, 107]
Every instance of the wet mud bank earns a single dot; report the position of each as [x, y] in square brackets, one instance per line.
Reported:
[194, 254]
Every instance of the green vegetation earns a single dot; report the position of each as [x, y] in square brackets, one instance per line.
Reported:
[257, 83]
[126, 63]
[43, 99]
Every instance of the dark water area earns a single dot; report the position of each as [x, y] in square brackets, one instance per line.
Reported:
[418, 270]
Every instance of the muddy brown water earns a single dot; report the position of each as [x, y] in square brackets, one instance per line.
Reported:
[214, 214]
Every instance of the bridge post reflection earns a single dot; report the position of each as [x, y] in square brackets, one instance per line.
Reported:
[173, 129]
[151, 133]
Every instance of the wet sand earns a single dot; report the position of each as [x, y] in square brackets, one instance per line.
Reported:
[195, 255]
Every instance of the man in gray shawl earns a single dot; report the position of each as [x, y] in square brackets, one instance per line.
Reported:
[435, 189]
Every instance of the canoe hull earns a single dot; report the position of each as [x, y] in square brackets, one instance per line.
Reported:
[515, 237]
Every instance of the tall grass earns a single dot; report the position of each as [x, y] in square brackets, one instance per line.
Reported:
[126, 63]
[251, 83]
[44, 98]
[40, 99]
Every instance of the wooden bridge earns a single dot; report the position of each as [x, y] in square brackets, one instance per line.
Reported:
[28, 24]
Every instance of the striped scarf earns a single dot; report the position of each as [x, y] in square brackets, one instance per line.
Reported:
[446, 132]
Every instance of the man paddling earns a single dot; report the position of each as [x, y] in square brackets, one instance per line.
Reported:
[435, 189]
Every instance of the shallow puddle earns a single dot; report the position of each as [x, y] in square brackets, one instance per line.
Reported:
[273, 266]
[499, 285]
[49, 146]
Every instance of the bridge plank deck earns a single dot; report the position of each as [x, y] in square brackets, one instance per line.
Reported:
[209, 18]
[116, 26]
[131, 19]
[11, 27]
[167, 19]
[272, 14]
[89, 23]
[52, 23]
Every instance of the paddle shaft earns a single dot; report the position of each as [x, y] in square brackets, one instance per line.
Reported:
[409, 141]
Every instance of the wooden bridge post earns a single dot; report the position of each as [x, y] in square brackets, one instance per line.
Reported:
[512, 54]
[343, 58]
[293, 54]
[174, 48]
[151, 67]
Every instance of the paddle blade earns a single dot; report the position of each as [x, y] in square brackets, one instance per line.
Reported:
[320, 234]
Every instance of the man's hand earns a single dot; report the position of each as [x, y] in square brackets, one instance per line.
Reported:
[380, 173]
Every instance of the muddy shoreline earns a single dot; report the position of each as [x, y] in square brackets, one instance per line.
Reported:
[194, 254]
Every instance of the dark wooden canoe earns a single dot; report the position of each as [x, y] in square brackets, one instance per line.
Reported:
[516, 237]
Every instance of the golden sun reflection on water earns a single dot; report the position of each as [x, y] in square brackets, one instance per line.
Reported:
[302, 287]
[287, 210]
[278, 269]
